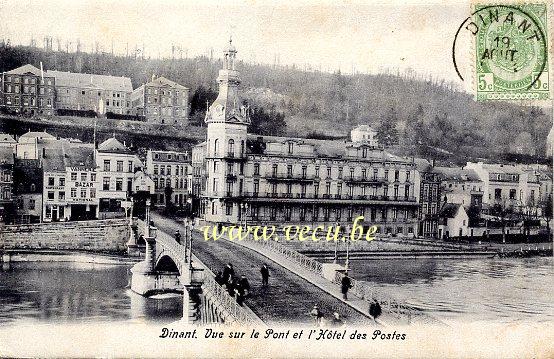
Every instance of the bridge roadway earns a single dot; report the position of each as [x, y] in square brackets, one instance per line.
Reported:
[288, 299]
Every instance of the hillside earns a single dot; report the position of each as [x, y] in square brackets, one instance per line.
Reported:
[422, 112]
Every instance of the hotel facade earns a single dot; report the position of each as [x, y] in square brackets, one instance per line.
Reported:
[269, 179]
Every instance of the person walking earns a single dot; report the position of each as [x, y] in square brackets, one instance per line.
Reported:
[375, 309]
[228, 272]
[317, 315]
[219, 278]
[242, 289]
[178, 236]
[345, 285]
[265, 275]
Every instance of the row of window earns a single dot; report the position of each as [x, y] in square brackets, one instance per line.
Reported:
[324, 213]
[167, 111]
[51, 195]
[340, 171]
[180, 170]
[272, 189]
[177, 184]
[164, 92]
[84, 177]
[27, 80]
[27, 101]
[169, 156]
[512, 194]
[119, 166]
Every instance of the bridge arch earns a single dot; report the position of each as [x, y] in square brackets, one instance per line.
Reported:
[166, 264]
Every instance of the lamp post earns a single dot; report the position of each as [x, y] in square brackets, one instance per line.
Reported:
[347, 254]
[335, 258]
[147, 217]
[245, 215]
[190, 231]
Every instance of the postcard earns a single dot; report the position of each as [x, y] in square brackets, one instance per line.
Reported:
[292, 179]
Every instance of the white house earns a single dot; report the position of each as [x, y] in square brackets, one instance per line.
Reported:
[454, 221]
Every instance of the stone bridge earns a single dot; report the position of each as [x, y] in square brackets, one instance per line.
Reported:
[170, 266]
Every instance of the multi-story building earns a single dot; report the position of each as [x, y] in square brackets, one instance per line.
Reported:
[27, 90]
[29, 145]
[161, 101]
[461, 186]
[116, 168]
[91, 92]
[70, 183]
[279, 179]
[430, 198]
[6, 184]
[507, 184]
[169, 170]
[28, 180]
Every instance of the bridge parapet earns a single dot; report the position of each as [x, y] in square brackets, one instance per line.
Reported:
[389, 304]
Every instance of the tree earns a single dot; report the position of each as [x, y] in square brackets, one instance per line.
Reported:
[200, 100]
[503, 210]
[270, 123]
[387, 134]
[547, 212]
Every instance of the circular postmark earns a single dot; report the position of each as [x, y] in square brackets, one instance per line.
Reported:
[511, 51]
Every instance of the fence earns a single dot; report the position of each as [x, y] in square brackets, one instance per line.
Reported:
[229, 304]
[361, 289]
[301, 259]
[389, 304]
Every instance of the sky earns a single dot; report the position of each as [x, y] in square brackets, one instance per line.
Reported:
[370, 37]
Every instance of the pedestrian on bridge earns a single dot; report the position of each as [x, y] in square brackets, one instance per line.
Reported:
[317, 315]
[228, 272]
[242, 289]
[345, 285]
[178, 236]
[265, 275]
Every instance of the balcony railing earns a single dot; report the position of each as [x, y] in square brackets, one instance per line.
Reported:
[279, 176]
[344, 197]
[363, 179]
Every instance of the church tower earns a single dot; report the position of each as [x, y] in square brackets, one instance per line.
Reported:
[227, 120]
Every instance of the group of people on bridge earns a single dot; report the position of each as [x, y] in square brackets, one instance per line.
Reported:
[237, 287]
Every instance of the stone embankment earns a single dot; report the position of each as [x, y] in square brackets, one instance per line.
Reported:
[104, 236]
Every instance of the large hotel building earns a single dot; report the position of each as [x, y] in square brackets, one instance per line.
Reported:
[294, 180]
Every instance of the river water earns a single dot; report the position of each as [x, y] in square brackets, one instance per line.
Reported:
[466, 290]
[67, 291]
[500, 290]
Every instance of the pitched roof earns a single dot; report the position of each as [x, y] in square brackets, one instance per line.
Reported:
[113, 145]
[36, 134]
[422, 165]
[322, 148]
[106, 82]
[161, 81]
[5, 138]
[457, 174]
[67, 155]
[24, 70]
[449, 210]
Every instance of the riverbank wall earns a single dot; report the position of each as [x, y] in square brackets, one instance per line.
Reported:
[99, 236]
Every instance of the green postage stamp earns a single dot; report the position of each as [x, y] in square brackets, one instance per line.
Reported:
[511, 48]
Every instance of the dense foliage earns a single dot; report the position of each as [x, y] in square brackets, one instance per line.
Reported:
[404, 109]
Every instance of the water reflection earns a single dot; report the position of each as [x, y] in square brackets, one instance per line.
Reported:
[503, 290]
[72, 291]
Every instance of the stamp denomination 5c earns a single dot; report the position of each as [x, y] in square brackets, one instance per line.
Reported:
[511, 49]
